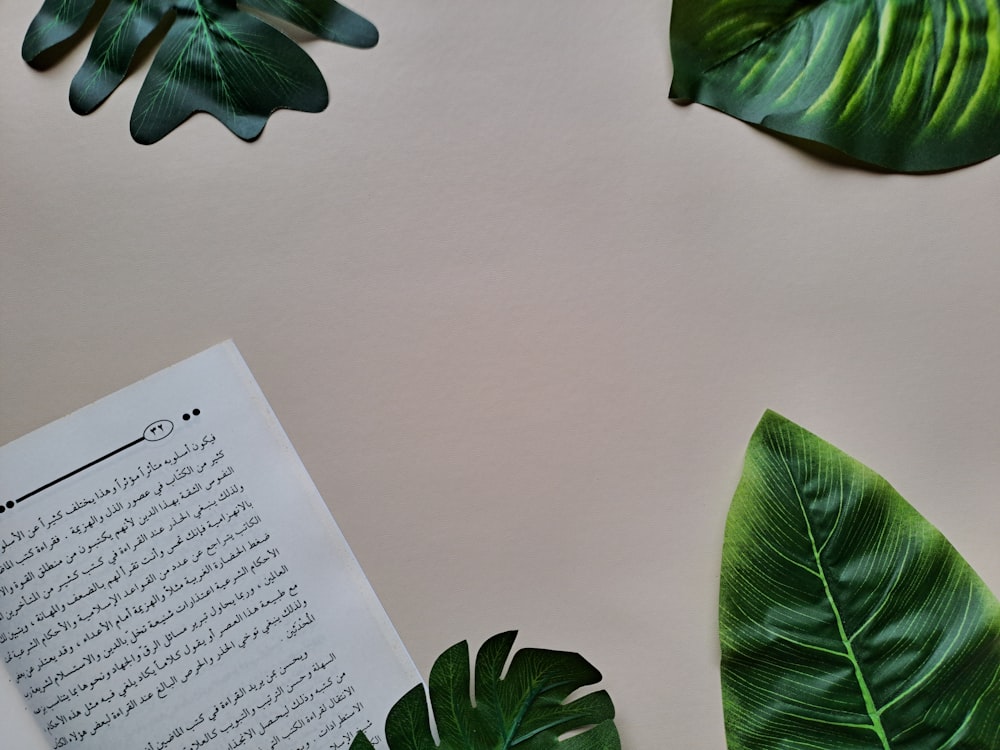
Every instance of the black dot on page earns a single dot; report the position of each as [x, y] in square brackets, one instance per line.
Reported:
[10, 503]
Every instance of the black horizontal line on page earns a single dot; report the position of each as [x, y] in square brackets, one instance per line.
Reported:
[77, 471]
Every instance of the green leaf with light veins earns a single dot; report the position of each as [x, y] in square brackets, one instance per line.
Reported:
[848, 622]
[215, 58]
[525, 707]
[909, 85]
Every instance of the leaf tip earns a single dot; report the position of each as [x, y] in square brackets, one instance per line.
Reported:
[771, 420]
[369, 38]
[33, 48]
[347, 27]
[361, 742]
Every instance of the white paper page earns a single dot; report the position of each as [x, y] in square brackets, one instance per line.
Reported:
[189, 590]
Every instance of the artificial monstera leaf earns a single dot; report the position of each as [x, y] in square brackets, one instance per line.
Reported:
[215, 58]
[909, 85]
[525, 707]
[847, 621]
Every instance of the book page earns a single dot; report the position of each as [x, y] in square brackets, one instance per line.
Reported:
[170, 579]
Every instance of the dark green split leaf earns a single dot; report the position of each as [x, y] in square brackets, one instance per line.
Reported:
[524, 708]
[848, 622]
[909, 85]
[215, 58]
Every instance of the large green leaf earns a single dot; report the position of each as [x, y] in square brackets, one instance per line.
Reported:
[910, 85]
[215, 58]
[848, 622]
[524, 708]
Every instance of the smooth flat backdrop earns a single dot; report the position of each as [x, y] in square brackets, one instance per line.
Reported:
[519, 314]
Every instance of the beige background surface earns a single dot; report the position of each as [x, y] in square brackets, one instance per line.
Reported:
[519, 314]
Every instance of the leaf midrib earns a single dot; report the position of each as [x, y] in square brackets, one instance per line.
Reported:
[510, 739]
[792, 19]
[873, 714]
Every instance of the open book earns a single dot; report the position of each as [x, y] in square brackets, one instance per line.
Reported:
[170, 579]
